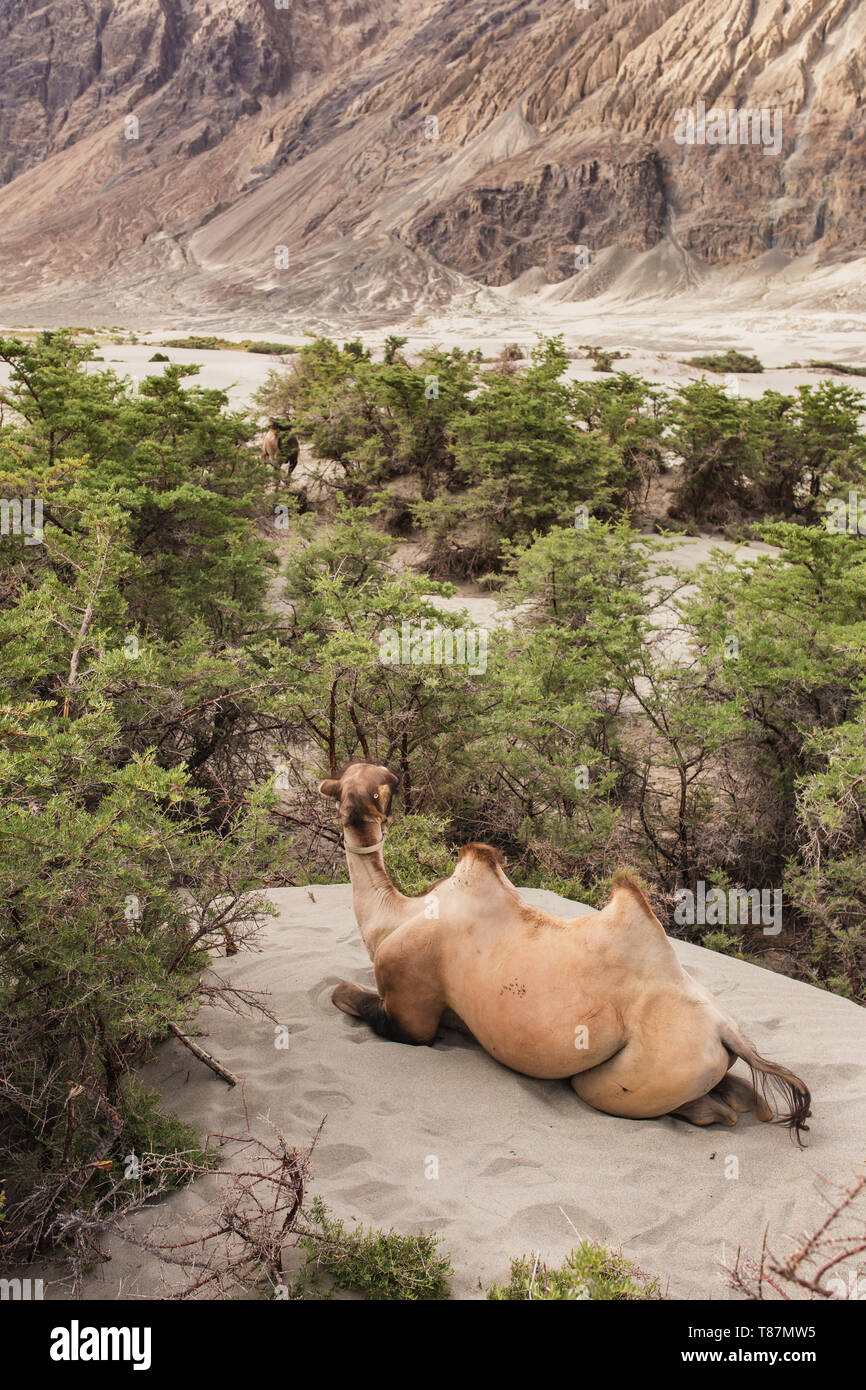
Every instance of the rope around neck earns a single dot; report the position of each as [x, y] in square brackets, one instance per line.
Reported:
[365, 849]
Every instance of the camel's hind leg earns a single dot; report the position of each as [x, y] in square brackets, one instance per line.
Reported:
[725, 1103]
[707, 1110]
[450, 1019]
[741, 1095]
[643, 1082]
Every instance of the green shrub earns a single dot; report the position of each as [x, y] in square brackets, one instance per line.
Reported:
[391, 353]
[271, 349]
[377, 420]
[589, 1272]
[150, 1132]
[382, 1266]
[195, 342]
[843, 368]
[730, 361]
[128, 845]
[603, 358]
[200, 343]
[416, 852]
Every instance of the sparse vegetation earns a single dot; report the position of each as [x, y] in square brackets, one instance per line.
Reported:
[199, 343]
[730, 361]
[379, 1265]
[603, 358]
[588, 1272]
[269, 349]
[826, 1262]
[842, 368]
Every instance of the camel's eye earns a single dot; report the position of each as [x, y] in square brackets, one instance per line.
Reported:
[375, 796]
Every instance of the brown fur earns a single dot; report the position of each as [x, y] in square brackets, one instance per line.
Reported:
[484, 854]
[624, 879]
[270, 447]
[360, 799]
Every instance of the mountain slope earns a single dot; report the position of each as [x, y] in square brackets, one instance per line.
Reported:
[377, 156]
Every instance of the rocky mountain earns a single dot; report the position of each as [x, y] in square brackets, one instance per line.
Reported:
[272, 160]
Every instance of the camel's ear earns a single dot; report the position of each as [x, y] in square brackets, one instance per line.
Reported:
[330, 788]
[394, 779]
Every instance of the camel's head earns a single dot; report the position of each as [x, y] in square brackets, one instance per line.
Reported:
[363, 793]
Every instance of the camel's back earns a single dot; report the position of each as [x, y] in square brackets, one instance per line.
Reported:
[544, 994]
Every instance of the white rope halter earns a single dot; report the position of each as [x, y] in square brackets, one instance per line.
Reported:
[366, 849]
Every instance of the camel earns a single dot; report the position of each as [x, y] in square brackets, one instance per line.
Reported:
[271, 443]
[600, 1000]
[270, 446]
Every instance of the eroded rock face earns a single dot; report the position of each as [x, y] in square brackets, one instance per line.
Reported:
[164, 150]
[543, 219]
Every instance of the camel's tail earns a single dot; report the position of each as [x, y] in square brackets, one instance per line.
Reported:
[783, 1086]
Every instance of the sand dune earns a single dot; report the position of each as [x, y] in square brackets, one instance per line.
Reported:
[523, 1164]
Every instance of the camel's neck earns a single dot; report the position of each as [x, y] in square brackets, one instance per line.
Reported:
[378, 904]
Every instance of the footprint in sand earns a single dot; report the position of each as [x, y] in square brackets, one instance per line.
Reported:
[333, 1159]
[500, 1166]
[327, 1100]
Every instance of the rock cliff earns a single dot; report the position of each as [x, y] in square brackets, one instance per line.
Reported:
[378, 155]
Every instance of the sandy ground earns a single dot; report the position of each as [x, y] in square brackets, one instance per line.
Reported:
[523, 1164]
[239, 374]
[781, 320]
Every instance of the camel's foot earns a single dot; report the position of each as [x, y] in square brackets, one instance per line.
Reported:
[707, 1110]
[741, 1095]
[352, 998]
[366, 1005]
[724, 1103]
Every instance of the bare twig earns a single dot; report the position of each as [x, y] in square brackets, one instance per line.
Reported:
[814, 1265]
[204, 1056]
[245, 1241]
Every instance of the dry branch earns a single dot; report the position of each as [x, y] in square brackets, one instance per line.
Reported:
[244, 1242]
[820, 1259]
[204, 1056]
